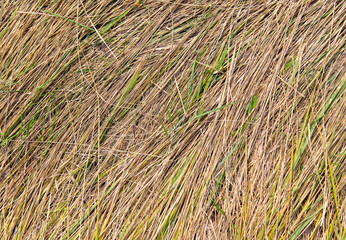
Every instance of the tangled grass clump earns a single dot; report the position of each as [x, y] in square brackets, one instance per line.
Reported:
[160, 119]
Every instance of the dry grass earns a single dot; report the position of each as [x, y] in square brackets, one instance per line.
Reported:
[160, 119]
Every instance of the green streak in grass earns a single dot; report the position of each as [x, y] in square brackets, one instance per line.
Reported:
[37, 96]
[214, 110]
[228, 155]
[323, 56]
[307, 221]
[6, 28]
[251, 105]
[217, 65]
[312, 126]
[163, 126]
[239, 29]
[144, 5]
[201, 115]
[69, 20]
[27, 70]
[169, 222]
[117, 19]
[79, 222]
[192, 78]
[327, 13]
[179, 172]
[116, 109]
[218, 208]
[289, 64]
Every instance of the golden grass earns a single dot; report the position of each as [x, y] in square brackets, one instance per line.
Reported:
[160, 119]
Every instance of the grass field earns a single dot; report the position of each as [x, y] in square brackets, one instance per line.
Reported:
[172, 119]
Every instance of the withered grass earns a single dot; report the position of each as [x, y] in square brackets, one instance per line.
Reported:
[162, 119]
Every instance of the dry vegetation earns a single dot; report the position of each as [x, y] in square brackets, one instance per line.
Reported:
[162, 119]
